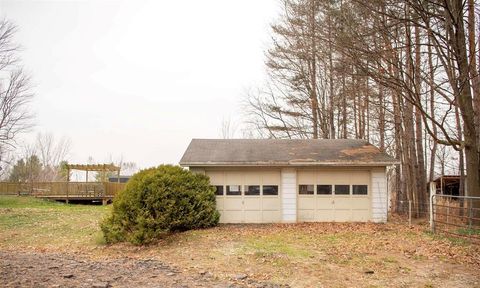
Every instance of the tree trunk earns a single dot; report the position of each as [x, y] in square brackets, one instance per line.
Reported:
[408, 117]
[344, 107]
[421, 181]
[330, 76]
[474, 75]
[461, 161]
[313, 70]
[465, 102]
[433, 151]
[381, 117]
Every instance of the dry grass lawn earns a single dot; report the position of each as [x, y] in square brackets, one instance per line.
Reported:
[301, 255]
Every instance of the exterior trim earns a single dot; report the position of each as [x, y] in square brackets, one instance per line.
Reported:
[287, 164]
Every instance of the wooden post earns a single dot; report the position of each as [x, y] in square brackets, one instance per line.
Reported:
[448, 213]
[104, 173]
[118, 175]
[409, 213]
[433, 190]
[86, 182]
[470, 214]
[441, 185]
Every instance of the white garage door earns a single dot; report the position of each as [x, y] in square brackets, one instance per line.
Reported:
[250, 196]
[334, 195]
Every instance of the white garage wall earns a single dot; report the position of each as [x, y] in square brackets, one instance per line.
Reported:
[289, 195]
[379, 195]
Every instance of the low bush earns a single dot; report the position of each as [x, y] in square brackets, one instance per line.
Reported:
[158, 200]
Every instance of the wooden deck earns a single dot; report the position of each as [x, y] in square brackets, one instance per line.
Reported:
[64, 191]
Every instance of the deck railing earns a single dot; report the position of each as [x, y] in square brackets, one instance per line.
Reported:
[64, 189]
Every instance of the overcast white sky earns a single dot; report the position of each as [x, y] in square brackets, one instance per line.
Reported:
[139, 79]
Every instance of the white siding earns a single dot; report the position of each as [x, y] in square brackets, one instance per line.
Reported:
[289, 195]
[379, 195]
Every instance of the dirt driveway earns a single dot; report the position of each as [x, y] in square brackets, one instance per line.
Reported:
[30, 269]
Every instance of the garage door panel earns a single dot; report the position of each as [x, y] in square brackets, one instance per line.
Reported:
[233, 203]
[248, 208]
[271, 203]
[230, 216]
[325, 215]
[271, 216]
[271, 177]
[216, 177]
[324, 177]
[233, 178]
[253, 216]
[343, 215]
[306, 215]
[220, 203]
[343, 203]
[360, 215]
[323, 202]
[252, 203]
[331, 177]
[359, 177]
[253, 178]
[306, 203]
[360, 202]
[341, 208]
[222, 217]
[306, 177]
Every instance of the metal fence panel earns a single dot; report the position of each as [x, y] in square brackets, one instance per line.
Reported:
[457, 216]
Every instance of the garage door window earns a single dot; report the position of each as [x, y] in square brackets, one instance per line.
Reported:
[342, 189]
[270, 189]
[306, 189]
[359, 189]
[324, 189]
[234, 190]
[252, 190]
[218, 190]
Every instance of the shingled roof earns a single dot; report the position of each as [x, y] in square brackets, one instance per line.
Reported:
[283, 152]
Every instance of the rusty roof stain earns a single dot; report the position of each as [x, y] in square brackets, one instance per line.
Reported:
[365, 152]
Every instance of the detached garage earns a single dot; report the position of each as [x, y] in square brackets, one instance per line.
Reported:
[273, 180]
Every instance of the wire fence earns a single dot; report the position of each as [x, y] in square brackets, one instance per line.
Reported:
[450, 215]
[457, 216]
[413, 211]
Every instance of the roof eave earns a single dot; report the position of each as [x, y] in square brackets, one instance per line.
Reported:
[283, 164]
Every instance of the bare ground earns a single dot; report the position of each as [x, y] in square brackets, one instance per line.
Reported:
[30, 269]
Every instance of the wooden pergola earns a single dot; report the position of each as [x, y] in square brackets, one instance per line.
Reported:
[95, 168]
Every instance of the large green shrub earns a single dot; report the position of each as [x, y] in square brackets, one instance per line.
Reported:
[158, 200]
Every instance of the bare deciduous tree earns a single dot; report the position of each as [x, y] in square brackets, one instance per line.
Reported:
[229, 128]
[51, 153]
[15, 91]
[397, 73]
